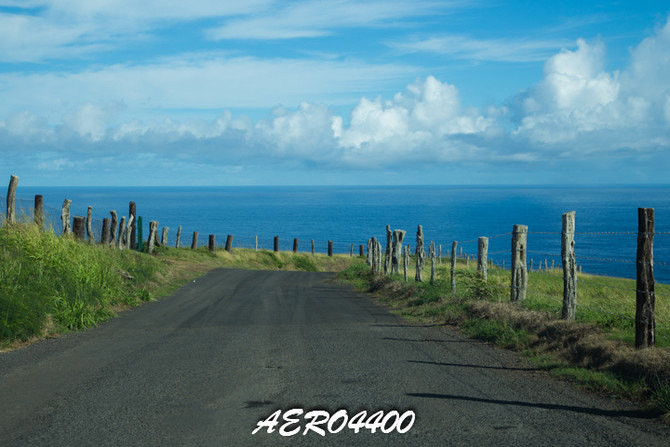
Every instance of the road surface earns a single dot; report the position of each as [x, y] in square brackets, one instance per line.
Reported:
[205, 365]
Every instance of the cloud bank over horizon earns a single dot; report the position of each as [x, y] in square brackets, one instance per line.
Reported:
[121, 115]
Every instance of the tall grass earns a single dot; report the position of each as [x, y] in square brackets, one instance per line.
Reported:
[45, 278]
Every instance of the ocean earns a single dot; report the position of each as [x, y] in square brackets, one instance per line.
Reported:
[606, 217]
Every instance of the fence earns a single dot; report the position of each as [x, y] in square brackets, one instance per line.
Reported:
[556, 277]
[116, 230]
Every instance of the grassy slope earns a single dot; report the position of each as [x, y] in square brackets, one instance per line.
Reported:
[51, 285]
[595, 352]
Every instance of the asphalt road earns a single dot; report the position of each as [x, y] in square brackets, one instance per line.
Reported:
[203, 366]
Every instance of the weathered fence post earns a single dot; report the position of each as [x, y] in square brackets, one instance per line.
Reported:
[131, 221]
[531, 264]
[11, 199]
[79, 227]
[256, 243]
[140, 234]
[89, 225]
[104, 239]
[153, 228]
[194, 243]
[122, 231]
[176, 244]
[212, 240]
[132, 213]
[351, 254]
[295, 245]
[420, 254]
[396, 252]
[229, 243]
[453, 265]
[518, 264]
[405, 262]
[164, 236]
[439, 254]
[313, 246]
[360, 250]
[379, 257]
[330, 248]
[276, 244]
[645, 300]
[432, 262]
[482, 255]
[387, 257]
[373, 255]
[552, 264]
[113, 227]
[569, 266]
[38, 213]
[65, 216]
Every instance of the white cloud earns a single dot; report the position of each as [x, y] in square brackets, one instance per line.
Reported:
[579, 101]
[314, 18]
[198, 82]
[467, 48]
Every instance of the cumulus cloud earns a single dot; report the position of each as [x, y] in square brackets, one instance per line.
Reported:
[578, 100]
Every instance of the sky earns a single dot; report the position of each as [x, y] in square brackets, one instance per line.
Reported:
[336, 92]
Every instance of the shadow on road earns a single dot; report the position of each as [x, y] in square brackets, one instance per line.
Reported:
[474, 366]
[432, 340]
[640, 414]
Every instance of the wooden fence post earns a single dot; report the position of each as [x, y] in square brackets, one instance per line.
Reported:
[518, 264]
[373, 255]
[104, 238]
[351, 254]
[132, 213]
[368, 256]
[113, 227]
[212, 243]
[176, 244]
[38, 213]
[229, 243]
[79, 227]
[569, 267]
[11, 199]
[645, 300]
[131, 221]
[65, 216]
[164, 236]
[89, 225]
[405, 262]
[379, 257]
[330, 248]
[140, 235]
[454, 245]
[482, 255]
[432, 262]
[387, 257]
[256, 243]
[439, 254]
[194, 243]
[420, 254]
[396, 252]
[360, 250]
[122, 231]
[312, 246]
[153, 228]
[295, 245]
[276, 244]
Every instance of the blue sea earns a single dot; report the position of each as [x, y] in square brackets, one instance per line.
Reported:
[352, 214]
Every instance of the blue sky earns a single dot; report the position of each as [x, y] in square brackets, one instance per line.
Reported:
[262, 92]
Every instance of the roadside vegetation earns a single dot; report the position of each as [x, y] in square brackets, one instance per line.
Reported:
[596, 352]
[51, 285]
